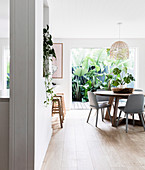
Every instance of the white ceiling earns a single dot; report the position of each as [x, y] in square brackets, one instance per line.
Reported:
[97, 18]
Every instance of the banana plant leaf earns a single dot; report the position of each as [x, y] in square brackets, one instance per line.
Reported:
[80, 72]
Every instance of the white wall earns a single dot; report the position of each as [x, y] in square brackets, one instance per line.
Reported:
[4, 43]
[4, 18]
[43, 129]
[45, 16]
[68, 44]
[4, 28]
[4, 36]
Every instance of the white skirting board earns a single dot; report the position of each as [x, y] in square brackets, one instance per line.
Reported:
[40, 163]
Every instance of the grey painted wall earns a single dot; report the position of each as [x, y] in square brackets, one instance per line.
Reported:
[4, 134]
[22, 85]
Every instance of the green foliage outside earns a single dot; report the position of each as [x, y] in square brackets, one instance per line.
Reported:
[92, 69]
[8, 75]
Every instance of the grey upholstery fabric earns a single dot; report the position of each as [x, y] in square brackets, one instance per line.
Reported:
[102, 98]
[92, 100]
[123, 101]
[138, 90]
[135, 104]
[95, 105]
[121, 108]
[103, 105]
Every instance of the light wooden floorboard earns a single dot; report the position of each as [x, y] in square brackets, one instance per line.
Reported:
[82, 146]
[80, 105]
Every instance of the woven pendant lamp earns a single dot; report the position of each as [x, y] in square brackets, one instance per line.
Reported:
[119, 50]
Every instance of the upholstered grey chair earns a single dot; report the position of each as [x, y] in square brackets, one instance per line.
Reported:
[134, 104]
[123, 101]
[138, 90]
[102, 99]
[95, 105]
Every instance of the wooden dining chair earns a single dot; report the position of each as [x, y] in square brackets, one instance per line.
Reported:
[134, 104]
[95, 105]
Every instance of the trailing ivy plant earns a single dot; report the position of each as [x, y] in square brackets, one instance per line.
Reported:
[48, 54]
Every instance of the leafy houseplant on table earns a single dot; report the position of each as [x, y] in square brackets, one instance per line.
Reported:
[48, 54]
[122, 77]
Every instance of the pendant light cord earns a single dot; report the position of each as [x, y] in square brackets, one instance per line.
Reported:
[119, 29]
[119, 32]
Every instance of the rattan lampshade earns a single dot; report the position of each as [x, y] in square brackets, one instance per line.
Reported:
[119, 50]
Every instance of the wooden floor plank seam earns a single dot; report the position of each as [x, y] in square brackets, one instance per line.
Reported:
[82, 146]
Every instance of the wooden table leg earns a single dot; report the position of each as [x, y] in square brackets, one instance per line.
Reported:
[115, 112]
[111, 103]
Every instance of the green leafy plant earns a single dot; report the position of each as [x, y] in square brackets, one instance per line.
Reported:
[8, 81]
[48, 54]
[93, 69]
[107, 82]
[122, 77]
[86, 75]
[79, 73]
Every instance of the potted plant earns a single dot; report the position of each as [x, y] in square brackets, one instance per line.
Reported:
[120, 78]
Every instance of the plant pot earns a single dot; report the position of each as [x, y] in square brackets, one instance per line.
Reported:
[122, 90]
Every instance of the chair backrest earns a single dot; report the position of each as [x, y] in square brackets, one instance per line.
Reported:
[135, 103]
[92, 99]
[102, 98]
[141, 90]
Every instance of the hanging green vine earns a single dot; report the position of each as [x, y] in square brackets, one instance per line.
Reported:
[48, 54]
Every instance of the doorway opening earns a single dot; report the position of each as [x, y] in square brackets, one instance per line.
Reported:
[90, 70]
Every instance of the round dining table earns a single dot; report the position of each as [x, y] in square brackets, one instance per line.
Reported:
[115, 97]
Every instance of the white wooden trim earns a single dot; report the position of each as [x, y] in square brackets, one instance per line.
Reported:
[22, 87]
[45, 3]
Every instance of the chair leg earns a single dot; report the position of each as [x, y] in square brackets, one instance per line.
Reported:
[97, 117]
[62, 111]
[141, 117]
[102, 111]
[126, 122]
[109, 114]
[133, 119]
[119, 118]
[89, 115]
[60, 115]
